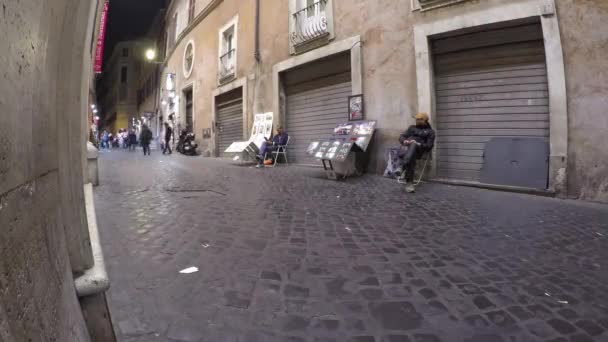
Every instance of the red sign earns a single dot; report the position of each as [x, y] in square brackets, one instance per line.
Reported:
[101, 38]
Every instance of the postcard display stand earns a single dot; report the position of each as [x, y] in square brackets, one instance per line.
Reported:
[338, 154]
[262, 128]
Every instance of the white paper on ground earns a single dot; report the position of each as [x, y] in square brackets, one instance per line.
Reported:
[189, 270]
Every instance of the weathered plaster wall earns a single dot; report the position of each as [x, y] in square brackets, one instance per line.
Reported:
[389, 69]
[584, 29]
[389, 72]
[388, 58]
[273, 46]
[41, 194]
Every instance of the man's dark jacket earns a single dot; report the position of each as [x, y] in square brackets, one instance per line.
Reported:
[280, 139]
[145, 137]
[168, 133]
[425, 135]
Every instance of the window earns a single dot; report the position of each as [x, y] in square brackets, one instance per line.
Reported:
[312, 7]
[228, 43]
[309, 8]
[125, 52]
[228, 50]
[148, 87]
[172, 33]
[123, 93]
[189, 118]
[424, 5]
[189, 59]
[191, 9]
[311, 24]
[123, 74]
[229, 39]
[166, 43]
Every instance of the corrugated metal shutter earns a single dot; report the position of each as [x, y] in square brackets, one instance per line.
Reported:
[229, 123]
[488, 84]
[313, 110]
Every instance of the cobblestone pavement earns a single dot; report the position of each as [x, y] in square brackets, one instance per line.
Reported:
[286, 255]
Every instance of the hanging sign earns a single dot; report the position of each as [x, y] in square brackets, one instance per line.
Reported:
[170, 84]
[101, 38]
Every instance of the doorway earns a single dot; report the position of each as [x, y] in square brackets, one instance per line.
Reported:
[189, 116]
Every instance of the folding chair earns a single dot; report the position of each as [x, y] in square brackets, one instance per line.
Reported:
[281, 150]
[426, 157]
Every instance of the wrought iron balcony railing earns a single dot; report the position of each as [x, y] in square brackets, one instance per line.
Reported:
[309, 23]
[227, 64]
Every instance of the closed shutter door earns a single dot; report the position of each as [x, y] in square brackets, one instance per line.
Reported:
[313, 110]
[488, 84]
[229, 123]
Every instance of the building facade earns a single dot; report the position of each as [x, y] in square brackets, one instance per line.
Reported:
[514, 88]
[148, 91]
[118, 91]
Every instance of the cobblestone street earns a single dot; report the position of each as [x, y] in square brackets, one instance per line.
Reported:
[287, 255]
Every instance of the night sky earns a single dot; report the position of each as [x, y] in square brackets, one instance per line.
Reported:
[129, 19]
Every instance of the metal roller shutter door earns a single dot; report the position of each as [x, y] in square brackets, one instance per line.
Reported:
[313, 110]
[229, 123]
[488, 84]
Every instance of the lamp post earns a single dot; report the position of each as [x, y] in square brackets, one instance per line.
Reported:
[151, 56]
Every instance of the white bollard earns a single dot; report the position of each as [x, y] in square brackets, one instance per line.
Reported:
[92, 164]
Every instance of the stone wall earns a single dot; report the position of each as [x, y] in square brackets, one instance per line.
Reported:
[584, 30]
[42, 215]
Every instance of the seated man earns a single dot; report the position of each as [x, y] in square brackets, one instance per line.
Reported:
[418, 139]
[270, 145]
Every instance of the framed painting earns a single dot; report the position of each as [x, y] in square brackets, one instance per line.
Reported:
[355, 107]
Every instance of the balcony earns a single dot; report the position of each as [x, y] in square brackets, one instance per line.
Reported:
[227, 65]
[311, 24]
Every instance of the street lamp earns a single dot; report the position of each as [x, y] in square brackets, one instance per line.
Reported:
[95, 111]
[151, 55]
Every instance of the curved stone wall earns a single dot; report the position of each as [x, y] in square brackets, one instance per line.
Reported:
[43, 228]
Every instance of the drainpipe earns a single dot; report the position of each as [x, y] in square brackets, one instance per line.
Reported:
[256, 54]
[258, 59]
[94, 280]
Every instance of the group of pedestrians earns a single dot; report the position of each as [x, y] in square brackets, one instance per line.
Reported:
[124, 139]
[127, 139]
[145, 138]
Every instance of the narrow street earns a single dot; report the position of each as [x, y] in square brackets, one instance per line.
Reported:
[284, 254]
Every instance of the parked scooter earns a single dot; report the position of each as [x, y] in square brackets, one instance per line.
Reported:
[186, 144]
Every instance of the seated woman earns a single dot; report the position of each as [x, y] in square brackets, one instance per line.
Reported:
[270, 145]
[418, 139]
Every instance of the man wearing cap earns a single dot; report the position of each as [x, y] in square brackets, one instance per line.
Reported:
[271, 145]
[418, 139]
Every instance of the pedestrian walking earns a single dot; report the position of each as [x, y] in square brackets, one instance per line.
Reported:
[121, 138]
[168, 135]
[104, 139]
[145, 138]
[125, 138]
[132, 140]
